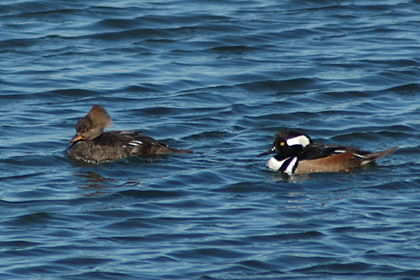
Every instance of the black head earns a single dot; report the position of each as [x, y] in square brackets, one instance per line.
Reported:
[92, 125]
[288, 143]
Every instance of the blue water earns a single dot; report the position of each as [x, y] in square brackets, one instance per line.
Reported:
[219, 77]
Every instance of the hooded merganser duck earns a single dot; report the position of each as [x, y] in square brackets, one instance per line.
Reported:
[92, 144]
[296, 153]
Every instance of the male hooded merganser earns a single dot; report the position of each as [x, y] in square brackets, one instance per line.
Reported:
[91, 143]
[296, 153]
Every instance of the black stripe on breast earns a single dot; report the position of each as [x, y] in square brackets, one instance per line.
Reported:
[286, 164]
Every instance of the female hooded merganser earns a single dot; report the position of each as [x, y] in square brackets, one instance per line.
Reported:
[92, 144]
[296, 153]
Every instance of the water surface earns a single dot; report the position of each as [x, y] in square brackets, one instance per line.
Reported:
[218, 77]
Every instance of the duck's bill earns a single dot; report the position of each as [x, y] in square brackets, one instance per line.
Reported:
[272, 150]
[77, 137]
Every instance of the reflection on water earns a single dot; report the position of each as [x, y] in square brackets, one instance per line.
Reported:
[101, 185]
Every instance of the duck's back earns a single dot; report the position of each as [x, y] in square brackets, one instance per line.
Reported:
[116, 145]
[335, 158]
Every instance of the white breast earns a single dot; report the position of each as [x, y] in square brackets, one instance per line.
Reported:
[275, 164]
[291, 166]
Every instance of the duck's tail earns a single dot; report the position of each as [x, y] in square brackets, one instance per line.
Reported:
[377, 155]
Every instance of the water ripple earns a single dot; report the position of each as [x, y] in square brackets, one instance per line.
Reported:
[220, 78]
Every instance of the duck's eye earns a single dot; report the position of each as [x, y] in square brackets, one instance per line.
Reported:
[282, 144]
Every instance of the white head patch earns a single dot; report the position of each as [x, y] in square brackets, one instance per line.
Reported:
[298, 140]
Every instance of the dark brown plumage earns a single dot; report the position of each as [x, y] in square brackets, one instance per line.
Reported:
[92, 144]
